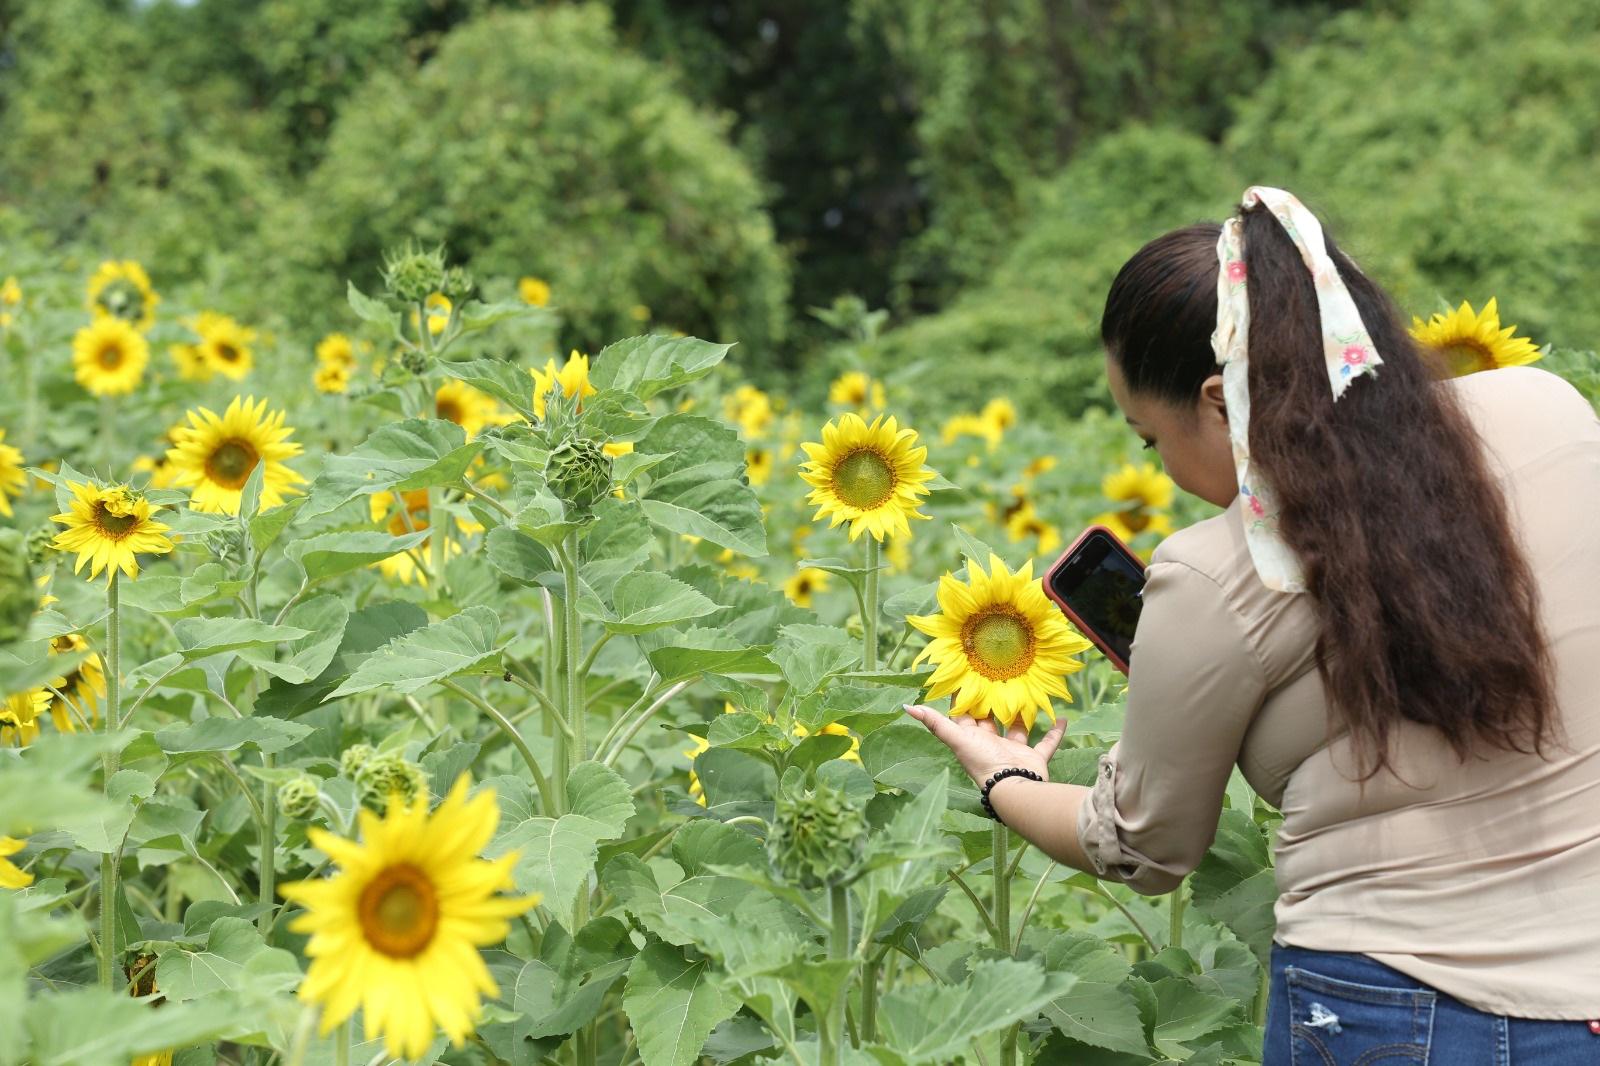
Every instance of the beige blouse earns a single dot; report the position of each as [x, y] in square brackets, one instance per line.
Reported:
[1480, 879]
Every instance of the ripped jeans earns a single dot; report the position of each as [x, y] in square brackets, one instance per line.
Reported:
[1329, 1008]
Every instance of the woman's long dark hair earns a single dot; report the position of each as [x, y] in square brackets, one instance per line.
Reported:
[1429, 610]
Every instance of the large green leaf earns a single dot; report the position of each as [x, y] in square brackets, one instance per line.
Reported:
[914, 832]
[936, 1023]
[234, 954]
[698, 490]
[368, 629]
[673, 1003]
[200, 637]
[328, 555]
[267, 735]
[1095, 1009]
[808, 654]
[463, 643]
[373, 310]
[324, 618]
[1247, 909]
[97, 1027]
[695, 651]
[646, 600]
[414, 454]
[565, 987]
[556, 855]
[103, 833]
[1185, 1013]
[650, 364]
[45, 785]
[507, 382]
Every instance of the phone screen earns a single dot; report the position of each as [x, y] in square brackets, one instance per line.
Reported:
[1103, 585]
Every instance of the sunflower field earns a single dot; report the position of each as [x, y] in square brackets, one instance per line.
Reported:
[460, 605]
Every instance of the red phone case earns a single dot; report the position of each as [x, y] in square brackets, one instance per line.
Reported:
[1049, 590]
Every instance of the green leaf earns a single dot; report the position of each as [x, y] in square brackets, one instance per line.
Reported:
[462, 643]
[653, 363]
[1185, 1013]
[518, 556]
[904, 755]
[209, 581]
[1247, 909]
[565, 987]
[369, 629]
[43, 786]
[267, 735]
[414, 454]
[200, 637]
[372, 310]
[809, 654]
[477, 316]
[555, 855]
[698, 488]
[266, 527]
[103, 833]
[545, 520]
[936, 1023]
[695, 651]
[331, 554]
[507, 382]
[37, 668]
[1096, 1009]
[673, 1004]
[324, 618]
[184, 974]
[914, 832]
[647, 600]
[96, 1027]
[704, 842]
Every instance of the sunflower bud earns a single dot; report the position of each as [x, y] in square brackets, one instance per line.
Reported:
[389, 774]
[354, 758]
[458, 284]
[579, 472]
[297, 797]
[853, 626]
[411, 274]
[225, 542]
[817, 835]
[16, 587]
[414, 362]
[41, 545]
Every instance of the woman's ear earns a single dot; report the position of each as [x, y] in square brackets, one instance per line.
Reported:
[1211, 404]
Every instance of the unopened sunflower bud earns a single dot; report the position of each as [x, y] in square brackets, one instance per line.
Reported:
[17, 594]
[225, 542]
[458, 284]
[297, 797]
[41, 545]
[817, 836]
[579, 472]
[415, 362]
[354, 758]
[390, 775]
[411, 274]
[853, 626]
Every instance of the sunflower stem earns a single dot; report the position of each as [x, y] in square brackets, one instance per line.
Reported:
[1175, 904]
[869, 609]
[109, 763]
[510, 731]
[1000, 838]
[831, 1032]
[439, 530]
[341, 1045]
[269, 847]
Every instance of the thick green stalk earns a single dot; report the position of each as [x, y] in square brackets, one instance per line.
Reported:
[550, 674]
[830, 1030]
[269, 848]
[109, 763]
[999, 842]
[587, 1037]
[341, 1045]
[869, 609]
[1175, 905]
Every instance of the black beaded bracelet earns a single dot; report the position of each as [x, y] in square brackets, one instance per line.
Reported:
[1000, 775]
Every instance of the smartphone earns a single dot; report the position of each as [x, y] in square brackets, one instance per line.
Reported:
[1099, 583]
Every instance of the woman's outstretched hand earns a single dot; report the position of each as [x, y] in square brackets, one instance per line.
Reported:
[983, 749]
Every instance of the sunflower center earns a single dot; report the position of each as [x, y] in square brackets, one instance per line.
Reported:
[1468, 357]
[1136, 518]
[230, 464]
[399, 527]
[864, 479]
[227, 353]
[399, 911]
[110, 356]
[449, 410]
[115, 526]
[999, 644]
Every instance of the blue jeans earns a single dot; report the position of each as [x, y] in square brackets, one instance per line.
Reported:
[1330, 1008]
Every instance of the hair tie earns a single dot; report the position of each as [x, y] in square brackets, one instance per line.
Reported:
[1347, 349]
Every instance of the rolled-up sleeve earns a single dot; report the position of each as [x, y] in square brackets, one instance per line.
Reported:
[1194, 684]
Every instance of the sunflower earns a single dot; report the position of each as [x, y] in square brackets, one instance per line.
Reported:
[107, 527]
[871, 476]
[833, 729]
[1143, 485]
[12, 478]
[191, 362]
[897, 555]
[1128, 524]
[736, 566]
[750, 408]
[1469, 342]
[438, 306]
[396, 930]
[384, 507]
[336, 349]
[19, 716]
[121, 289]
[1001, 648]
[615, 448]
[217, 455]
[331, 378]
[958, 426]
[1025, 522]
[573, 377]
[77, 695]
[456, 401]
[225, 344]
[758, 465]
[1042, 465]
[10, 876]
[804, 584]
[1000, 413]
[109, 356]
[535, 291]
[855, 389]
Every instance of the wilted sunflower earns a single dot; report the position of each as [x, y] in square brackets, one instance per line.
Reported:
[804, 584]
[1000, 647]
[108, 527]
[225, 344]
[870, 476]
[10, 875]
[396, 931]
[573, 377]
[215, 456]
[1470, 342]
[456, 401]
[535, 291]
[854, 388]
[13, 480]
[77, 696]
[109, 356]
[191, 362]
[19, 716]
[121, 289]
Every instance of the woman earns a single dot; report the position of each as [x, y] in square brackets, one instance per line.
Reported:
[1393, 630]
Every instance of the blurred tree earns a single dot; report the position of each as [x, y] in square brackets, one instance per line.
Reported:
[534, 143]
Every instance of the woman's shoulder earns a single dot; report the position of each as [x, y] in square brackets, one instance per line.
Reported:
[1215, 546]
